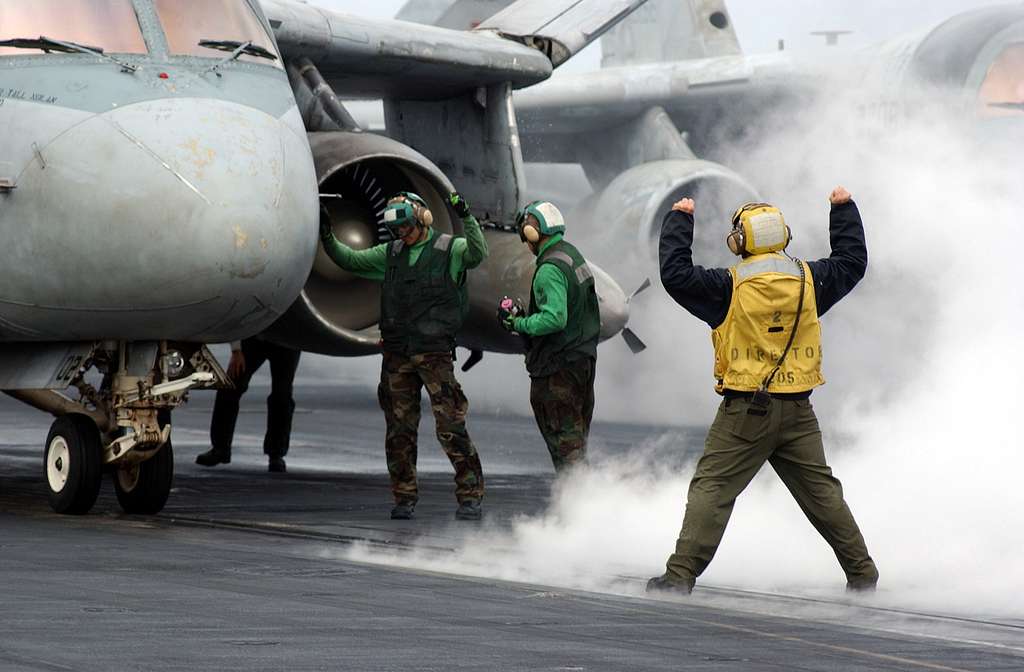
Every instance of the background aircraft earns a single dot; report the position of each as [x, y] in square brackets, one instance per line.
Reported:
[158, 191]
[676, 102]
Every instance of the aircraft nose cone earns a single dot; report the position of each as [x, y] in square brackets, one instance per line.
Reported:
[186, 218]
[612, 302]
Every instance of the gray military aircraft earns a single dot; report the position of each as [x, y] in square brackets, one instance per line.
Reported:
[674, 89]
[162, 169]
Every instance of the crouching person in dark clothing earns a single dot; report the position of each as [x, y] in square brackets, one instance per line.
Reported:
[247, 357]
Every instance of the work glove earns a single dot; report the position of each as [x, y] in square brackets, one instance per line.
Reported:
[508, 311]
[459, 204]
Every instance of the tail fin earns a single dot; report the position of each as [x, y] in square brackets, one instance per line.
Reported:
[671, 30]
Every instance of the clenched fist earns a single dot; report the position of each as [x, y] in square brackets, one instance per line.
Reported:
[686, 205]
[839, 196]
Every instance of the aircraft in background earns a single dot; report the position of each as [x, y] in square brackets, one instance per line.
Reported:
[652, 124]
[675, 90]
[162, 167]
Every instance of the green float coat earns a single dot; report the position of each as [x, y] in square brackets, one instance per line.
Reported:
[564, 321]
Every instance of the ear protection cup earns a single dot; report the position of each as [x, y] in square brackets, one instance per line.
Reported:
[424, 215]
[735, 241]
[529, 234]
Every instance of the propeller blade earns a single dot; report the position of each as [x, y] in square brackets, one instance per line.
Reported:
[475, 357]
[645, 285]
[633, 341]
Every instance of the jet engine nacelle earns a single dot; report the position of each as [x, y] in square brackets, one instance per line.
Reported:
[337, 313]
[629, 213]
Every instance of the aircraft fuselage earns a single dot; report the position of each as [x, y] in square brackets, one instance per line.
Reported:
[175, 201]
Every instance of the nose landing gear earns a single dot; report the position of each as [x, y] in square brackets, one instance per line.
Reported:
[73, 462]
[122, 427]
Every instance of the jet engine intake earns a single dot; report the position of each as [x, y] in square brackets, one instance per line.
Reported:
[337, 312]
[629, 213]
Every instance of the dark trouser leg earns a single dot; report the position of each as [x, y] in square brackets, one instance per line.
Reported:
[280, 404]
[450, 407]
[399, 396]
[225, 405]
[563, 406]
[738, 444]
[799, 461]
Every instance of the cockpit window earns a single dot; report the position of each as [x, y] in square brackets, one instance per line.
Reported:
[1002, 92]
[189, 22]
[110, 25]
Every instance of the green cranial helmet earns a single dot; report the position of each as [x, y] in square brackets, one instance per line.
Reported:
[406, 209]
[549, 220]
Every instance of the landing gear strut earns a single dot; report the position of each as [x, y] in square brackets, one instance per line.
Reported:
[122, 427]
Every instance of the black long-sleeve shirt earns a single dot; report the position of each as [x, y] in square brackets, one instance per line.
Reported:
[707, 292]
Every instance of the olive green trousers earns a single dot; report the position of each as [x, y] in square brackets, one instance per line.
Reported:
[786, 435]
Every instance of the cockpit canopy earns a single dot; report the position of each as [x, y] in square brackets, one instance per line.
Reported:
[114, 27]
[110, 25]
[1002, 92]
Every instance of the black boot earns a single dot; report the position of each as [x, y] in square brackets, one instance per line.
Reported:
[213, 457]
[667, 585]
[403, 511]
[469, 510]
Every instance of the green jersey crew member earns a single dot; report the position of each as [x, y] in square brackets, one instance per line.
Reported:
[767, 339]
[562, 329]
[423, 304]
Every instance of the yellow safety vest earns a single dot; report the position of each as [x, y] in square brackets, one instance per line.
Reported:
[748, 344]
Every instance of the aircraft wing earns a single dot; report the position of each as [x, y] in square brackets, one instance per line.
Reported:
[397, 59]
[384, 58]
[560, 28]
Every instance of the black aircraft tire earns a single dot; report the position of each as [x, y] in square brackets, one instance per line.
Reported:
[73, 463]
[150, 489]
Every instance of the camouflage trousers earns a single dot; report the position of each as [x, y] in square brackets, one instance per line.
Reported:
[563, 405]
[401, 380]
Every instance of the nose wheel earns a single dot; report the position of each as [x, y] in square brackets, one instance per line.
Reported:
[73, 461]
[143, 487]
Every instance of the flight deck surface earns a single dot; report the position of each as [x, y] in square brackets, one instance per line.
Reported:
[254, 571]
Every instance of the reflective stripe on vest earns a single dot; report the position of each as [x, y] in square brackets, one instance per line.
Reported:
[748, 344]
[583, 272]
[770, 265]
[557, 256]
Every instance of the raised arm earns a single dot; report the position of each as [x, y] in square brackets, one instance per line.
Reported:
[837, 275]
[468, 251]
[705, 293]
[370, 264]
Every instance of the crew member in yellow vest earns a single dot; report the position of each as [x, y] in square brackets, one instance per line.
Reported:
[764, 313]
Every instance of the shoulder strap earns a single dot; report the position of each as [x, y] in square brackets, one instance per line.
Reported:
[792, 335]
[444, 242]
[557, 255]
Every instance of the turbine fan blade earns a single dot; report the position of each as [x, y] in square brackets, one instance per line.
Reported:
[633, 341]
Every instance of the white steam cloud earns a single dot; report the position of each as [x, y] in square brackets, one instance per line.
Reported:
[920, 413]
